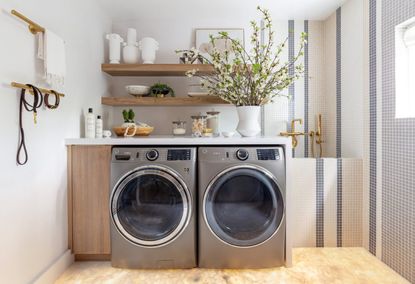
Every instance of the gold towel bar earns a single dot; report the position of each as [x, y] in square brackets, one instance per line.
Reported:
[44, 91]
[33, 27]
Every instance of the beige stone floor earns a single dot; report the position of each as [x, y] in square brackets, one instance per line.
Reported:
[310, 265]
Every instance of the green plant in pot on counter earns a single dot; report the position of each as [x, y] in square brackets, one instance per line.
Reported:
[128, 116]
[160, 90]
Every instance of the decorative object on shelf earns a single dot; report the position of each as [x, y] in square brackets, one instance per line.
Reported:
[249, 79]
[138, 90]
[198, 125]
[228, 134]
[160, 90]
[179, 128]
[205, 46]
[148, 47]
[212, 122]
[115, 41]
[98, 127]
[107, 133]
[186, 58]
[128, 116]
[129, 128]
[130, 53]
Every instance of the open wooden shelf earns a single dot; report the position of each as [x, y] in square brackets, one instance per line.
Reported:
[167, 101]
[155, 69]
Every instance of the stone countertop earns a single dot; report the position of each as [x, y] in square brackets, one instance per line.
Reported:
[185, 140]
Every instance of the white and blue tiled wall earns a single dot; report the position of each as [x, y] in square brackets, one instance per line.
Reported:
[327, 202]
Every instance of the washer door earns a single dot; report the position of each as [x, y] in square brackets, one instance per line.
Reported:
[243, 206]
[151, 206]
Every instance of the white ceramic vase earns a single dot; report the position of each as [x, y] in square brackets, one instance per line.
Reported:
[130, 54]
[248, 124]
[148, 47]
[115, 41]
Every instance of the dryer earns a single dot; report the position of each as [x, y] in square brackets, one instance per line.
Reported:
[241, 207]
[152, 207]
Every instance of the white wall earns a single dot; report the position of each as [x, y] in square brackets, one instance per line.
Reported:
[33, 215]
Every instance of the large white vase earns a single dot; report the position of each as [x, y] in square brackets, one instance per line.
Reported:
[248, 125]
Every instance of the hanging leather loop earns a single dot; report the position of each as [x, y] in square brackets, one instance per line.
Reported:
[57, 100]
[37, 102]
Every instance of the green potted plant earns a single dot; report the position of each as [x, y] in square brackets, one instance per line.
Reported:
[250, 79]
[128, 116]
[161, 90]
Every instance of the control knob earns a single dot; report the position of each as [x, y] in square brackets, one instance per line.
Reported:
[242, 154]
[152, 155]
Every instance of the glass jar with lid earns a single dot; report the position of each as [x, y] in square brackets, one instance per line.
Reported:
[212, 122]
[198, 125]
[179, 128]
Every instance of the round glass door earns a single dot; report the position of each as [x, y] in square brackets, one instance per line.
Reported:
[243, 206]
[150, 206]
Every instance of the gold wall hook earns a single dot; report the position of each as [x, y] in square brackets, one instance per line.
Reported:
[44, 91]
[33, 27]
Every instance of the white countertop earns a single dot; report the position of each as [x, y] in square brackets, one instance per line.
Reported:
[186, 140]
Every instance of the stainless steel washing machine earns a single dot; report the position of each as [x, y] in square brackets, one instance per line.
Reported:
[241, 207]
[152, 207]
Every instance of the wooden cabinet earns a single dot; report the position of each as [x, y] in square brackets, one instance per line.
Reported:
[88, 201]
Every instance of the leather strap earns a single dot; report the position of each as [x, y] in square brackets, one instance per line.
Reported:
[37, 102]
[57, 100]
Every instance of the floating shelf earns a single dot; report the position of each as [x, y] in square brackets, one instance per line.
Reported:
[167, 101]
[155, 69]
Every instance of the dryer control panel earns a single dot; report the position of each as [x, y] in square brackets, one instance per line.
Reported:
[241, 154]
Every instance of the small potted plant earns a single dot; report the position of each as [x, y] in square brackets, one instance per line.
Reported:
[160, 90]
[128, 118]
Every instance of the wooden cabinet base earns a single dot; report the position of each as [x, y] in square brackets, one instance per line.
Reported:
[88, 201]
[92, 257]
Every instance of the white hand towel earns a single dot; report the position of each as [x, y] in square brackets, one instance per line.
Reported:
[54, 59]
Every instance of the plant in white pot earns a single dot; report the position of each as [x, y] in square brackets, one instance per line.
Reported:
[249, 79]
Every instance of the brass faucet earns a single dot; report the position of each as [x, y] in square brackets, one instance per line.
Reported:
[293, 134]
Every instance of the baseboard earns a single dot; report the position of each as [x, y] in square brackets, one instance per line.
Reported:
[52, 273]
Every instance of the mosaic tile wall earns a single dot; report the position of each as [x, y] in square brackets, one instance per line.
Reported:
[319, 219]
[398, 154]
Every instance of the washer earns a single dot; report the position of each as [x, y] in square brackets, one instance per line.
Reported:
[241, 207]
[152, 207]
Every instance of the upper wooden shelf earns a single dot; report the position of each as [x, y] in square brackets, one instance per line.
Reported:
[155, 69]
[166, 101]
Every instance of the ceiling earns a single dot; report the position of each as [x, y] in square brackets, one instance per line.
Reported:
[171, 9]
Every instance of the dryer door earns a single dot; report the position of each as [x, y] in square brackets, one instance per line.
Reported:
[150, 206]
[243, 206]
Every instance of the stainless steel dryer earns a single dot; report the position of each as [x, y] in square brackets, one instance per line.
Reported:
[241, 207]
[152, 207]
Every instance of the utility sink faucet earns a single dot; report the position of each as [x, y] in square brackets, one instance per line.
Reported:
[293, 134]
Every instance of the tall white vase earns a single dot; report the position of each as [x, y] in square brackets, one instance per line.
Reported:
[248, 125]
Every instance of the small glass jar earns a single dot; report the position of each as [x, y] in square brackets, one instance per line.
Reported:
[198, 125]
[212, 122]
[179, 128]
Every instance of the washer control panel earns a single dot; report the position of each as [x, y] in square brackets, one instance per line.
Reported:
[135, 154]
[179, 155]
[268, 154]
[242, 154]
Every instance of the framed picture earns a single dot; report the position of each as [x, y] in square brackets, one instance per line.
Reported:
[203, 39]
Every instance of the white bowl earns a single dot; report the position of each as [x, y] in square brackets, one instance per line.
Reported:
[138, 90]
[228, 134]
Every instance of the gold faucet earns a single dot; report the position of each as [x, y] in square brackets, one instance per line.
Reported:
[293, 134]
[319, 135]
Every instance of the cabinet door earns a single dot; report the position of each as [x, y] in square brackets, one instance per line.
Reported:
[90, 182]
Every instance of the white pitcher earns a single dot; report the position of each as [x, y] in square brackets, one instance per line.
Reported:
[130, 53]
[148, 47]
[115, 41]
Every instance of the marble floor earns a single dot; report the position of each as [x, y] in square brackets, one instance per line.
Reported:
[310, 265]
